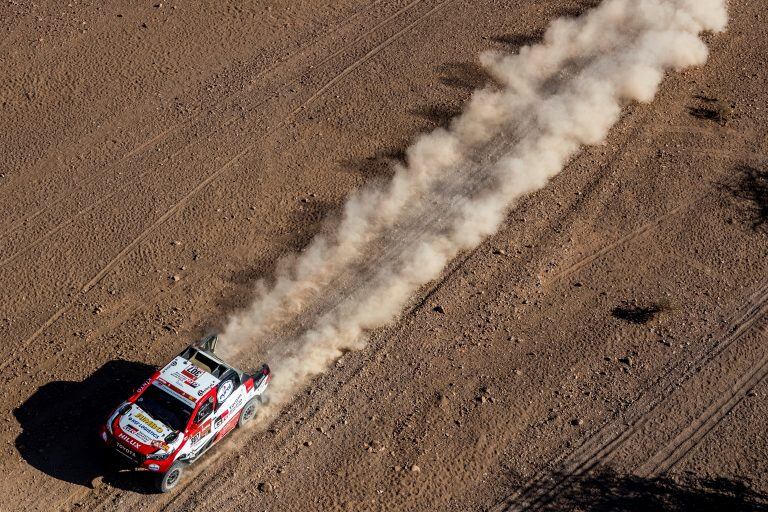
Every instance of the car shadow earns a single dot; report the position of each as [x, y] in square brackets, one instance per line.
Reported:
[60, 424]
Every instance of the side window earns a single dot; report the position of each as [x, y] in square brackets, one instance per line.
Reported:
[204, 411]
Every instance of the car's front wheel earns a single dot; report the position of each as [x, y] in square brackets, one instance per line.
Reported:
[170, 478]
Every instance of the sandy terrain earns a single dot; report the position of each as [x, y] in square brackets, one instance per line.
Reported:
[605, 350]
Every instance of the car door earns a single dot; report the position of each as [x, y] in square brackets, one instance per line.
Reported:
[227, 413]
[202, 431]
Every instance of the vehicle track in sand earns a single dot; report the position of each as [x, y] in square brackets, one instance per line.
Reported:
[675, 451]
[202, 111]
[561, 472]
[179, 204]
[259, 101]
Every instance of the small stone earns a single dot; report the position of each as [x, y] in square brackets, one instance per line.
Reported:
[439, 309]
[518, 371]
[627, 361]
[265, 487]
[577, 422]
[415, 469]
[578, 284]
[307, 443]
[175, 278]
[176, 242]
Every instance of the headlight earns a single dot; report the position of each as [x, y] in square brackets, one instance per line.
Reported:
[119, 411]
[158, 455]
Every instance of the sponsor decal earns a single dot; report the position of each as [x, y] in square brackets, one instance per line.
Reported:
[144, 385]
[232, 423]
[128, 440]
[238, 402]
[159, 444]
[225, 389]
[205, 429]
[218, 422]
[125, 451]
[167, 386]
[153, 467]
[146, 420]
[135, 432]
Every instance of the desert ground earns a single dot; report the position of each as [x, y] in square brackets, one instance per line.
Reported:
[605, 350]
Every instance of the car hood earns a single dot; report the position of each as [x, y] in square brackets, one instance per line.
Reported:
[141, 427]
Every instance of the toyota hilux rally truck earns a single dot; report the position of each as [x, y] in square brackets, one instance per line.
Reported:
[182, 410]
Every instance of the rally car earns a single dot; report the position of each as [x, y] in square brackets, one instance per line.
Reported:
[182, 410]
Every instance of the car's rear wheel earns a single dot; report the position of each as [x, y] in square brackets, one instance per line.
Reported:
[249, 411]
[170, 478]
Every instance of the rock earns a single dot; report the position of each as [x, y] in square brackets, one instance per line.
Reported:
[518, 371]
[265, 487]
[439, 309]
[578, 284]
[499, 252]
[577, 422]
[627, 360]
[176, 242]
[175, 278]
[415, 469]
[307, 443]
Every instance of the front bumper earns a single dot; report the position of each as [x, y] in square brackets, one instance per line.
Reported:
[125, 452]
[134, 458]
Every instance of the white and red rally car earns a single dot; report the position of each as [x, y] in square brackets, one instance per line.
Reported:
[182, 410]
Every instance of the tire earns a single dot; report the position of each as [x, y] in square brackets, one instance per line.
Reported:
[170, 478]
[249, 412]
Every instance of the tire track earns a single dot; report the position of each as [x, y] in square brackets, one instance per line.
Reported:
[178, 205]
[544, 488]
[636, 234]
[266, 99]
[692, 435]
[202, 111]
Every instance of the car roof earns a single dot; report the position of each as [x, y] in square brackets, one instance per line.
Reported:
[186, 380]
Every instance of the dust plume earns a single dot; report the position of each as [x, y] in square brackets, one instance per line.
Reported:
[547, 101]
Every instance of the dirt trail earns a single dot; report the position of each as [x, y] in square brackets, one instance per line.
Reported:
[159, 160]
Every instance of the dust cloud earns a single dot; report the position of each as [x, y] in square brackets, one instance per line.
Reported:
[546, 102]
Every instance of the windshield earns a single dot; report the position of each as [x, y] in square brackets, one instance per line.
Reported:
[165, 407]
